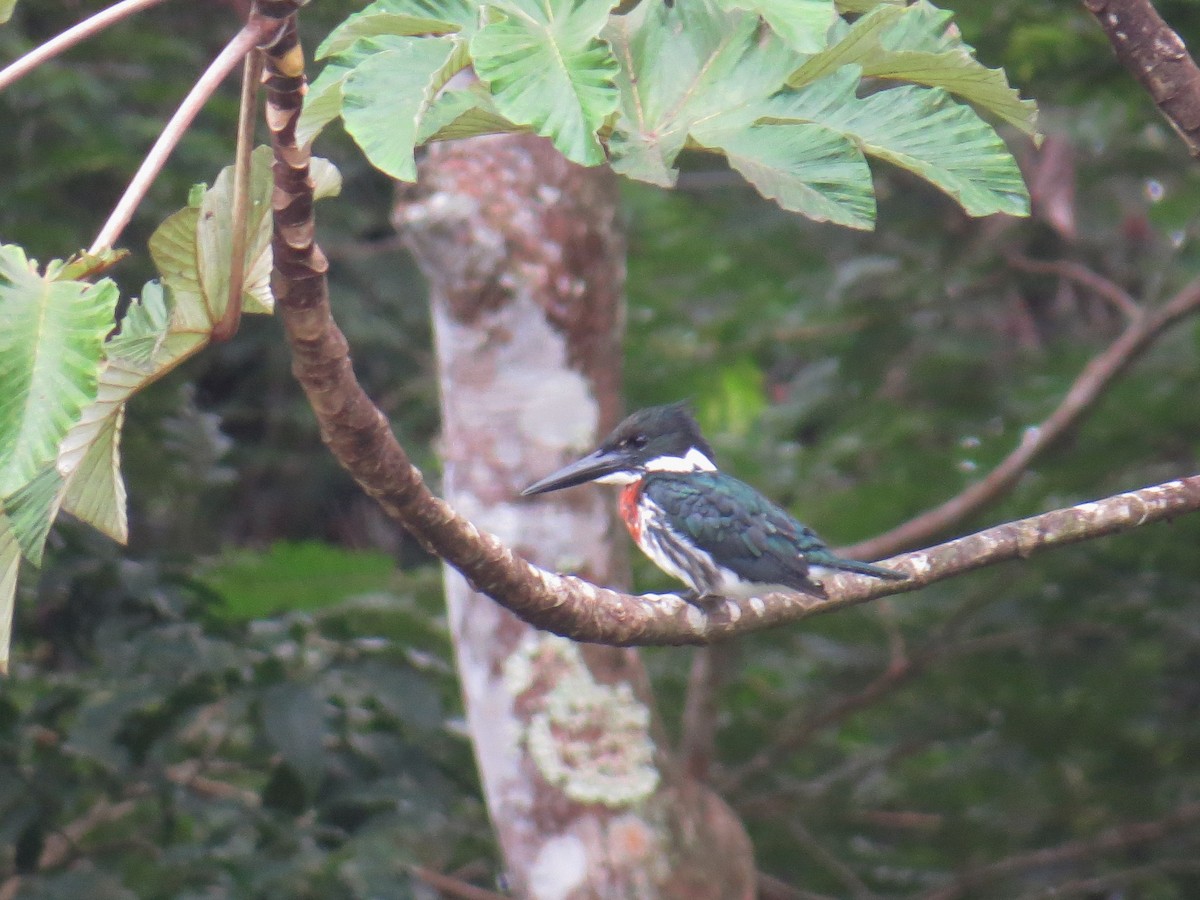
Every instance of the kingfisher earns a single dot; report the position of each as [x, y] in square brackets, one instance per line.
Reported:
[717, 534]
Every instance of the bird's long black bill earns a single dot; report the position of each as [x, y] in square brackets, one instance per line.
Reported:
[593, 466]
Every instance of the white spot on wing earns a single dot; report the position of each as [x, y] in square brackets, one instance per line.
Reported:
[692, 461]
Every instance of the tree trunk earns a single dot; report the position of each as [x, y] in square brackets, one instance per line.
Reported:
[526, 269]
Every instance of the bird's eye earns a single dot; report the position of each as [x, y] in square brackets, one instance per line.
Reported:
[638, 441]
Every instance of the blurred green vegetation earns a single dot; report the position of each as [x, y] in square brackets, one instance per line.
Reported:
[205, 742]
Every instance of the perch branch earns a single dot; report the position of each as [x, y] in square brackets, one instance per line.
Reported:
[1158, 59]
[1088, 387]
[23, 65]
[360, 438]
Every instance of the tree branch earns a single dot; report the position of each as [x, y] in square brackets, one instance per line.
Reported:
[252, 33]
[23, 65]
[449, 886]
[359, 437]
[1091, 384]
[1081, 275]
[1116, 838]
[1158, 59]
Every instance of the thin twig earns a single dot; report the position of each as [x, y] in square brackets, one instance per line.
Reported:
[1116, 838]
[240, 215]
[798, 731]
[855, 886]
[453, 887]
[699, 727]
[772, 888]
[1082, 275]
[91, 25]
[252, 33]
[1091, 384]
[1102, 885]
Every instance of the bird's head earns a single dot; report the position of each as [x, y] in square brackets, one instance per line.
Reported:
[658, 439]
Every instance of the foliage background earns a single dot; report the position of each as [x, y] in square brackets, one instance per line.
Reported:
[251, 700]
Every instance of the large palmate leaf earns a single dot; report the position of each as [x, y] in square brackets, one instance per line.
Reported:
[51, 333]
[548, 68]
[803, 24]
[386, 95]
[82, 474]
[400, 17]
[30, 510]
[681, 68]
[862, 6]
[463, 113]
[920, 129]
[381, 26]
[806, 168]
[913, 44]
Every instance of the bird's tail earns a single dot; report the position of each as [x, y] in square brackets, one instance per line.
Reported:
[862, 568]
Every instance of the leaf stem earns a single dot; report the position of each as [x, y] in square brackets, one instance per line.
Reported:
[92, 25]
[252, 33]
[251, 75]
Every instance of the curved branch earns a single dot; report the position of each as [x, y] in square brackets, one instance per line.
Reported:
[252, 33]
[1081, 275]
[1157, 57]
[362, 441]
[23, 65]
[1089, 386]
[1119, 837]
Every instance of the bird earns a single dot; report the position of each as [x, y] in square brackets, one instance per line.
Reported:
[716, 534]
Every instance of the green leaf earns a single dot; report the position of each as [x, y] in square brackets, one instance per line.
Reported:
[913, 44]
[6, 11]
[327, 180]
[83, 265]
[464, 113]
[919, 129]
[96, 491]
[401, 18]
[863, 6]
[803, 24]
[295, 576]
[295, 720]
[173, 249]
[367, 26]
[214, 239]
[31, 510]
[547, 68]
[50, 351]
[386, 96]
[682, 68]
[323, 102]
[10, 563]
[382, 26]
[143, 329]
[806, 168]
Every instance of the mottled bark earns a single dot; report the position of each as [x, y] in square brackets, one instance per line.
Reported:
[526, 268]
[1157, 57]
